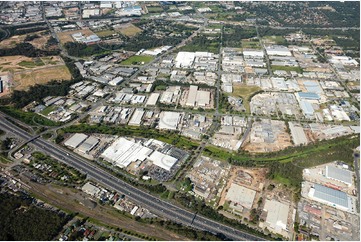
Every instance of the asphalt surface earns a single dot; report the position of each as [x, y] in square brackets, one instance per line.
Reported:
[155, 205]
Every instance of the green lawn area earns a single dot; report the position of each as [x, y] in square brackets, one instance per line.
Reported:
[4, 160]
[279, 40]
[155, 9]
[280, 179]
[137, 60]
[27, 117]
[251, 44]
[105, 33]
[287, 68]
[31, 64]
[245, 92]
[48, 110]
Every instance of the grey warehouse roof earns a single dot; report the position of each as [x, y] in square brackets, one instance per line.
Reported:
[339, 174]
[331, 195]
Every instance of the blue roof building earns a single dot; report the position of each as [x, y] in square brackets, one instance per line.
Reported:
[309, 95]
[331, 197]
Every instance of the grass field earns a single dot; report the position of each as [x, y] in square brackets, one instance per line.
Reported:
[105, 33]
[287, 68]
[155, 9]
[251, 44]
[24, 79]
[128, 30]
[279, 40]
[31, 64]
[48, 110]
[137, 60]
[245, 92]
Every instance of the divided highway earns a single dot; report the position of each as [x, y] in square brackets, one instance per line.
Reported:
[155, 205]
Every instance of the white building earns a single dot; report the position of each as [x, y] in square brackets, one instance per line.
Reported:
[278, 50]
[169, 120]
[75, 140]
[184, 59]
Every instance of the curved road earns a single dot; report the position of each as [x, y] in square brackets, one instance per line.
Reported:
[157, 206]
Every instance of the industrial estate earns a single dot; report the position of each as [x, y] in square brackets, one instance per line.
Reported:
[141, 120]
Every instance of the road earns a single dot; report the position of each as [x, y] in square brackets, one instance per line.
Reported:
[157, 206]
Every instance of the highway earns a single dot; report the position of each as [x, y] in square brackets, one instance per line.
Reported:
[155, 205]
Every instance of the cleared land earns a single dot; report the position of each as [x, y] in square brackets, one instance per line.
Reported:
[245, 92]
[278, 40]
[137, 60]
[26, 71]
[128, 29]
[40, 76]
[38, 43]
[105, 33]
[65, 37]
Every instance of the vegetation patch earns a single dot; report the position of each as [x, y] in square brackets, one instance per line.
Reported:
[246, 93]
[129, 30]
[21, 220]
[137, 60]
[287, 68]
[27, 117]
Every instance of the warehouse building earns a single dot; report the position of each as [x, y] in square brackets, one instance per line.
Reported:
[278, 50]
[75, 140]
[277, 214]
[123, 152]
[137, 117]
[330, 197]
[169, 120]
[152, 100]
[337, 174]
[197, 97]
[162, 160]
[240, 195]
[88, 144]
[184, 59]
[298, 134]
[307, 108]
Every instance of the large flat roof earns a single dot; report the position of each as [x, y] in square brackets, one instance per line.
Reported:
[241, 195]
[75, 140]
[162, 160]
[342, 175]
[153, 98]
[122, 152]
[309, 95]
[277, 214]
[169, 120]
[330, 196]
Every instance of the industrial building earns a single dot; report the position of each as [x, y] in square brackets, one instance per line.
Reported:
[169, 120]
[278, 50]
[88, 144]
[298, 134]
[330, 197]
[123, 152]
[308, 95]
[197, 97]
[277, 214]
[90, 189]
[337, 174]
[307, 108]
[137, 117]
[184, 59]
[152, 100]
[162, 160]
[75, 140]
[240, 195]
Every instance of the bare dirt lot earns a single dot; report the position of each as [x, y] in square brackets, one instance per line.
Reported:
[128, 29]
[65, 37]
[26, 71]
[39, 43]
